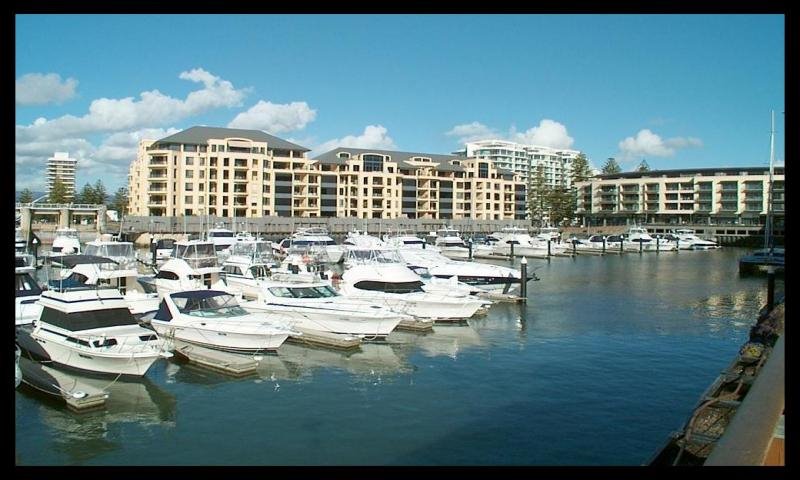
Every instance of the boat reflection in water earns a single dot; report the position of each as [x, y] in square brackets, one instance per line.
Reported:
[136, 403]
[446, 340]
[371, 360]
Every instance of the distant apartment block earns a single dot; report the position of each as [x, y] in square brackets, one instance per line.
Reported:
[62, 167]
[716, 196]
[248, 173]
[539, 167]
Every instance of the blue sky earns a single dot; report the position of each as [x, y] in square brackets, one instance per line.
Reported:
[677, 90]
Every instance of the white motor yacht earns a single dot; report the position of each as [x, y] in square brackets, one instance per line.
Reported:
[314, 242]
[91, 329]
[66, 242]
[163, 248]
[194, 265]
[318, 306]
[639, 239]
[523, 243]
[221, 237]
[26, 296]
[688, 240]
[396, 286]
[548, 233]
[450, 243]
[214, 319]
[485, 276]
[95, 270]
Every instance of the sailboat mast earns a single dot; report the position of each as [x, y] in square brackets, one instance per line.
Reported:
[768, 227]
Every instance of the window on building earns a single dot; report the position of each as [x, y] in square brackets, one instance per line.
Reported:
[189, 160]
[188, 187]
[187, 199]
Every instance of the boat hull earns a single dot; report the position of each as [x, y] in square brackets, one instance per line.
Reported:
[219, 340]
[93, 360]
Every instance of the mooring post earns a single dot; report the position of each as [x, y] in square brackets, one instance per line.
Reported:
[153, 249]
[770, 288]
[523, 279]
[469, 245]
[573, 247]
[604, 245]
[621, 241]
[641, 243]
[658, 239]
[548, 249]
[512, 249]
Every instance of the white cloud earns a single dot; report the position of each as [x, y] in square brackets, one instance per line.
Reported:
[648, 144]
[127, 119]
[275, 118]
[469, 132]
[41, 89]
[374, 136]
[548, 133]
[152, 109]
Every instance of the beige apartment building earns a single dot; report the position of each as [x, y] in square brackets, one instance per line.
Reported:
[248, 173]
[62, 167]
[714, 196]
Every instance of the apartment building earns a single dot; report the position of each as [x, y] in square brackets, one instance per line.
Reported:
[525, 160]
[223, 172]
[62, 167]
[540, 168]
[715, 196]
[248, 173]
[370, 183]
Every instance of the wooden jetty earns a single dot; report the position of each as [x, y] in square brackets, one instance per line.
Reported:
[224, 362]
[317, 338]
[418, 326]
[500, 297]
[79, 396]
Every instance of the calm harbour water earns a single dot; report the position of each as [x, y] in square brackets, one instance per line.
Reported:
[609, 356]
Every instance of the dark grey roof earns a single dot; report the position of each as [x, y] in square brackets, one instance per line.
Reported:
[687, 172]
[201, 136]
[331, 157]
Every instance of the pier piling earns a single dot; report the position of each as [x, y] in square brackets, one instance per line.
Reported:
[770, 288]
[469, 245]
[604, 245]
[523, 280]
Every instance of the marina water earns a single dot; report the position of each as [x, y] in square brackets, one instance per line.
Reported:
[609, 355]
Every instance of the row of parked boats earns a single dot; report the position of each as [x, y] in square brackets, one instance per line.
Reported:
[97, 313]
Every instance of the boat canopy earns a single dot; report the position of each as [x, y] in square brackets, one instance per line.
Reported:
[70, 261]
[88, 319]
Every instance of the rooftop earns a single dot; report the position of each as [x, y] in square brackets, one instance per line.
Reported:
[201, 135]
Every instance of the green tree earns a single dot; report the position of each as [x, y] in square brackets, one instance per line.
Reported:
[100, 195]
[643, 167]
[561, 204]
[537, 195]
[580, 173]
[580, 169]
[86, 195]
[26, 196]
[58, 192]
[120, 201]
[611, 166]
